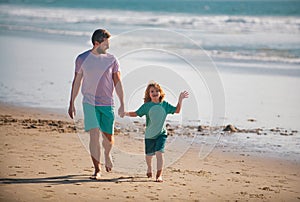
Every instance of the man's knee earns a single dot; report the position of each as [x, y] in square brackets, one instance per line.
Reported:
[94, 134]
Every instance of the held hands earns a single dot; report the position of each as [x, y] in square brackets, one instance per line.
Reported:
[121, 111]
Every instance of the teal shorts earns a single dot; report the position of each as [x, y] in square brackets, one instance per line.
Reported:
[155, 145]
[101, 117]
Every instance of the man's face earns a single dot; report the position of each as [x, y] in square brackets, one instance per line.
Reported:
[103, 46]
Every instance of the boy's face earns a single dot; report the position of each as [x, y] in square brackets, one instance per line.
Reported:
[154, 94]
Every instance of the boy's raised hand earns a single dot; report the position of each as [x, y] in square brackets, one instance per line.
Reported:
[183, 95]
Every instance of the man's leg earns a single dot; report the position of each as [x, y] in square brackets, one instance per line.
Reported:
[108, 141]
[95, 149]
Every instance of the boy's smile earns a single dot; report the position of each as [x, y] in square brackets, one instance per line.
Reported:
[154, 94]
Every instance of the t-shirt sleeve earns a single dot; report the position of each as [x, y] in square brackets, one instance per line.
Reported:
[116, 66]
[141, 111]
[78, 64]
[170, 109]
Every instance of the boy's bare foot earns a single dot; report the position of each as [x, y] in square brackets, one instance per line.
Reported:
[149, 172]
[159, 176]
[159, 179]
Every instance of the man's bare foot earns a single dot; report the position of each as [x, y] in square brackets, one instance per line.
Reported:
[96, 176]
[149, 175]
[108, 164]
[108, 169]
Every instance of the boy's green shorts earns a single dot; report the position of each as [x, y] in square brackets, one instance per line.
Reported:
[101, 117]
[155, 145]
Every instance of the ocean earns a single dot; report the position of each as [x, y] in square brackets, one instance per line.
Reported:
[194, 7]
[235, 29]
[239, 59]
[253, 37]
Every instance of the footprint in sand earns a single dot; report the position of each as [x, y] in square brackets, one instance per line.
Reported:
[47, 196]
[94, 187]
[266, 189]
[153, 198]
[48, 190]
[283, 181]
[260, 196]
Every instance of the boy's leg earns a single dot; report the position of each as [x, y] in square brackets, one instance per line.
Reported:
[108, 141]
[95, 149]
[160, 163]
[149, 165]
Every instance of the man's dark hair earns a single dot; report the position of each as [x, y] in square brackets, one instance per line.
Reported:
[99, 35]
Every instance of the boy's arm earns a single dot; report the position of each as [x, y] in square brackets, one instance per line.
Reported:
[182, 96]
[131, 114]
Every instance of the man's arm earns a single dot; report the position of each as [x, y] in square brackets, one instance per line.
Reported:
[119, 91]
[74, 92]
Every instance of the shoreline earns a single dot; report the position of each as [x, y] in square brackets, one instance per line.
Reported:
[51, 165]
[263, 95]
[254, 141]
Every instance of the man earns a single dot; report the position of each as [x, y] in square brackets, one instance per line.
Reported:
[99, 74]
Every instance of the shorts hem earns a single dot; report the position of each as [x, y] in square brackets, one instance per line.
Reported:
[109, 133]
[153, 153]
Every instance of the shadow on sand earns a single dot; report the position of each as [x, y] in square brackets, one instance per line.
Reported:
[71, 179]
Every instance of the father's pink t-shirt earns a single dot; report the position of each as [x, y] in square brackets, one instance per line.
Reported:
[97, 85]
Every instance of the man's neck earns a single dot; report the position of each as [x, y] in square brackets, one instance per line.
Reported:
[95, 52]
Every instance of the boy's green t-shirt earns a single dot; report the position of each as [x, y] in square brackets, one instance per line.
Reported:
[156, 114]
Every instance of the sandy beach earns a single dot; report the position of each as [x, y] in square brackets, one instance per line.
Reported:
[42, 159]
[239, 60]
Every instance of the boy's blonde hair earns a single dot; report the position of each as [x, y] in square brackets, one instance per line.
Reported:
[156, 86]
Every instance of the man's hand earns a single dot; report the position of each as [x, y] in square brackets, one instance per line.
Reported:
[121, 111]
[72, 111]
